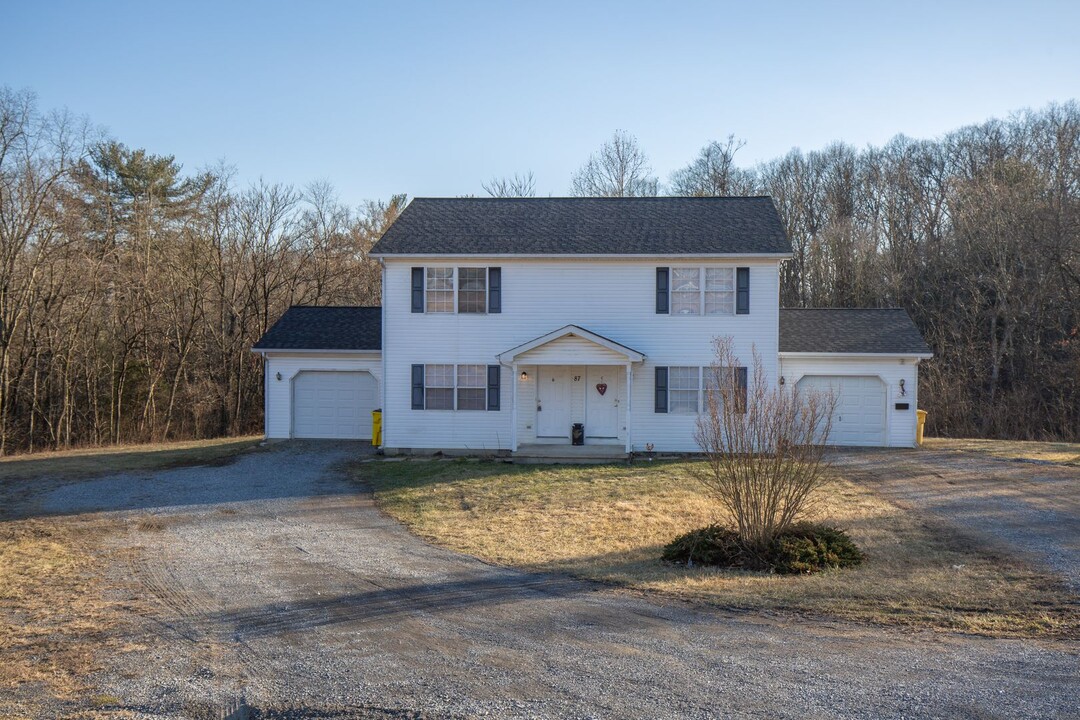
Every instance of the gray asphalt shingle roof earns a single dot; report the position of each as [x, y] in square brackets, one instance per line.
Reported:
[586, 226]
[325, 328]
[844, 330]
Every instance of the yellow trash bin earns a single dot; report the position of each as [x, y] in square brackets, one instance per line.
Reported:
[919, 427]
[376, 428]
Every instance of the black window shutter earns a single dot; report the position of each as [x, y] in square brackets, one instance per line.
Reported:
[418, 290]
[661, 389]
[740, 388]
[662, 287]
[494, 371]
[495, 291]
[742, 291]
[417, 387]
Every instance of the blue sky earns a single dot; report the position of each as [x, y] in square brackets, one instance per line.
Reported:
[434, 98]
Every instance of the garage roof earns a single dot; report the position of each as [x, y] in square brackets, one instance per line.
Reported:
[303, 327]
[587, 226]
[885, 331]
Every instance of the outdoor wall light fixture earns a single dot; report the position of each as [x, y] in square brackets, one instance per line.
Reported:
[278, 376]
[782, 380]
[902, 391]
[524, 376]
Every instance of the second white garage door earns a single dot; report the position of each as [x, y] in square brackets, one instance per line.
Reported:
[860, 408]
[333, 405]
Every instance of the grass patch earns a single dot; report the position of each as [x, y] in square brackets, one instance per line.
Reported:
[1061, 453]
[610, 523]
[54, 617]
[86, 462]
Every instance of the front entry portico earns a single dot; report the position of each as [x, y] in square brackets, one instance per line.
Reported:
[571, 376]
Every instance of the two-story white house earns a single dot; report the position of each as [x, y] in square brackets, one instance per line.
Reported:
[513, 325]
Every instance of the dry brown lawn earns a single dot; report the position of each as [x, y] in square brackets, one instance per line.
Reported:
[121, 458]
[56, 614]
[55, 617]
[609, 523]
[1056, 452]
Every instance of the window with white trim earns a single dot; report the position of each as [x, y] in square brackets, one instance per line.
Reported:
[730, 378]
[472, 290]
[438, 387]
[472, 387]
[685, 291]
[702, 291]
[684, 384]
[720, 291]
[440, 290]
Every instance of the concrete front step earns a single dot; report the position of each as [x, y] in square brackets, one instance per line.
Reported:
[569, 454]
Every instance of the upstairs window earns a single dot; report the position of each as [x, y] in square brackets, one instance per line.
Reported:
[467, 290]
[719, 291]
[472, 290]
[440, 290]
[703, 291]
[685, 291]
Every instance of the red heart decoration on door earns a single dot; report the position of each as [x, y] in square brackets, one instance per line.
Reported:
[601, 388]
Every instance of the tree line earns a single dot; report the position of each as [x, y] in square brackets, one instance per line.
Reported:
[975, 234]
[131, 291]
[131, 294]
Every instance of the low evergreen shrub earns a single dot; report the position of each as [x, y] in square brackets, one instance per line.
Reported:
[803, 548]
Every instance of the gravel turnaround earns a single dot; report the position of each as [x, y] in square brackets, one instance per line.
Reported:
[272, 587]
[1021, 506]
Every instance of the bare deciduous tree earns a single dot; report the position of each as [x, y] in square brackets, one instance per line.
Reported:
[764, 446]
[619, 169]
[714, 173]
[518, 186]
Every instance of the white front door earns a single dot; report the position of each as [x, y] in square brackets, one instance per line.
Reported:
[553, 402]
[602, 401]
[859, 418]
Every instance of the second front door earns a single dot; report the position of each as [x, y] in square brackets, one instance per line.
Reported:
[553, 402]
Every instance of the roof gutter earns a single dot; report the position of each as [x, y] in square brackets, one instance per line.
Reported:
[869, 356]
[576, 256]
[309, 351]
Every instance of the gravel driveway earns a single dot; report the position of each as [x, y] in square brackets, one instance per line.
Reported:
[274, 582]
[1030, 507]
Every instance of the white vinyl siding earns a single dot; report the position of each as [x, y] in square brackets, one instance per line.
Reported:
[899, 423]
[279, 393]
[540, 296]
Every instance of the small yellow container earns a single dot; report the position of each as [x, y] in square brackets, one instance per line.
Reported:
[376, 429]
[919, 427]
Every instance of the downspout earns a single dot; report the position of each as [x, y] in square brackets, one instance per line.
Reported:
[382, 348]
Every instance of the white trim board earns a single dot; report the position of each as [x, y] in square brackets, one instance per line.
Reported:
[512, 354]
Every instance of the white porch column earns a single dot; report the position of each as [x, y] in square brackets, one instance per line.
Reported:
[629, 406]
[514, 408]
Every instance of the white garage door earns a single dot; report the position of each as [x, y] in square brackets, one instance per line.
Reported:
[333, 405]
[860, 408]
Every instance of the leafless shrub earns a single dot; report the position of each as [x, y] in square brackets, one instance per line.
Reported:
[764, 446]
